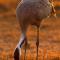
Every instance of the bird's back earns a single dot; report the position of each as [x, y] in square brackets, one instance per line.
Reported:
[33, 11]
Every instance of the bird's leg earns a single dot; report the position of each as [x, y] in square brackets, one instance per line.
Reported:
[25, 48]
[17, 51]
[37, 42]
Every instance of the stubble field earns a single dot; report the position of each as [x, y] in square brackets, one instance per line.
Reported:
[49, 37]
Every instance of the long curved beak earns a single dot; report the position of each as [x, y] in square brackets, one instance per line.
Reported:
[16, 54]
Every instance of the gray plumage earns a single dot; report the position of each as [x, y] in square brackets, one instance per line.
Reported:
[30, 12]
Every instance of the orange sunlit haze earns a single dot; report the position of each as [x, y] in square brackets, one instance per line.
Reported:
[10, 32]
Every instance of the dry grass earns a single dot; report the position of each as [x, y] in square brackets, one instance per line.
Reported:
[49, 48]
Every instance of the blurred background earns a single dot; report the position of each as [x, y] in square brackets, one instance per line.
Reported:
[8, 5]
[49, 48]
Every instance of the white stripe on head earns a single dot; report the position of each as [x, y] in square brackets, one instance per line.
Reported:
[20, 41]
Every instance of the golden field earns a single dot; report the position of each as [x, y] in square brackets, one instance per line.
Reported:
[49, 48]
[49, 35]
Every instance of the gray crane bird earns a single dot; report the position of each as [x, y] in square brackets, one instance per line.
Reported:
[31, 12]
